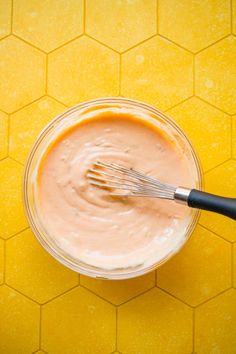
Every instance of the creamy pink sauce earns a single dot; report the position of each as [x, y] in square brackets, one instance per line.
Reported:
[101, 230]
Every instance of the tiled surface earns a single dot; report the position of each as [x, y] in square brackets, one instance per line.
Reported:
[177, 55]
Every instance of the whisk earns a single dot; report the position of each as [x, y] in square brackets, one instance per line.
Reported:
[121, 181]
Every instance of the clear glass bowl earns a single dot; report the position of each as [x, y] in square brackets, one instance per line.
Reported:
[52, 130]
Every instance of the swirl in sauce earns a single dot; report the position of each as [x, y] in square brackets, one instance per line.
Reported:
[98, 229]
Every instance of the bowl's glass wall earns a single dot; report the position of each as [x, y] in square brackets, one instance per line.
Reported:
[68, 118]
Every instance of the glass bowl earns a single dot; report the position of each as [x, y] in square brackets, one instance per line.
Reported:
[52, 130]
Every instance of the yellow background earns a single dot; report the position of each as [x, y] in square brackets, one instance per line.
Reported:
[180, 56]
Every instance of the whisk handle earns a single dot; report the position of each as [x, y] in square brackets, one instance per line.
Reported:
[211, 202]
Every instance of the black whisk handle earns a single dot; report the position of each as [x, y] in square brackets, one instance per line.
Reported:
[211, 202]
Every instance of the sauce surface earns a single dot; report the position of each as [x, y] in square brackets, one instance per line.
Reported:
[104, 231]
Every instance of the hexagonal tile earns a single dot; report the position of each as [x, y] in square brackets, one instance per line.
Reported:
[157, 323]
[19, 318]
[30, 269]
[221, 181]
[12, 218]
[119, 291]
[215, 74]
[86, 324]
[215, 325]
[27, 123]
[1, 260]
[194, 115]
[191, 275]
[48, 24]
[183, 22]
[5, 18]
[3, 135]
[158, 72]
[234, 136]
[22, 74]
[121, 24]
[74, 75]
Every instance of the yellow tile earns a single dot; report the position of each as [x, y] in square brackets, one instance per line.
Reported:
[208, 129]
[3, 135]
[26, 124]
[12, 218]
[31, 270]
[19, 318]
[86, 324]
[221, 181]
[158, 72]
[191, 275]
[83, 70]
[119, 291]
[154, 323]
[215, 74]
[22, 74]
[5, 17]
[1, 260]
[194, 24]
[234, 264]
[215, 325]
[121, 24]
[234, 16]
[48, 24]
[234, 136]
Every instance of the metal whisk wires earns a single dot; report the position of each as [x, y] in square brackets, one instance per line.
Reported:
[121, 181]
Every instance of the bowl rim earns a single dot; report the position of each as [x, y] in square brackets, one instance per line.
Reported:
[98, 272]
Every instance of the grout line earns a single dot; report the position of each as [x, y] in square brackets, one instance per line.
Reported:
[177, 104]
[29, 43]
[28, 104]
[85, 9]
[19, 292]
[212, 105]
[61, 294]
[12, 6]
[134, 297]
[138, 44]
[8, 35]
[157, 17]
[174, 296]
[64, 44]
[212, 44]
[101, 43]
[220, 164]
[13, 159]
[214, 233]
[19, 232]
[55, 99]
[213, 297]
[232, 264]
[177, 44]
[102, 298]
[193, 330]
